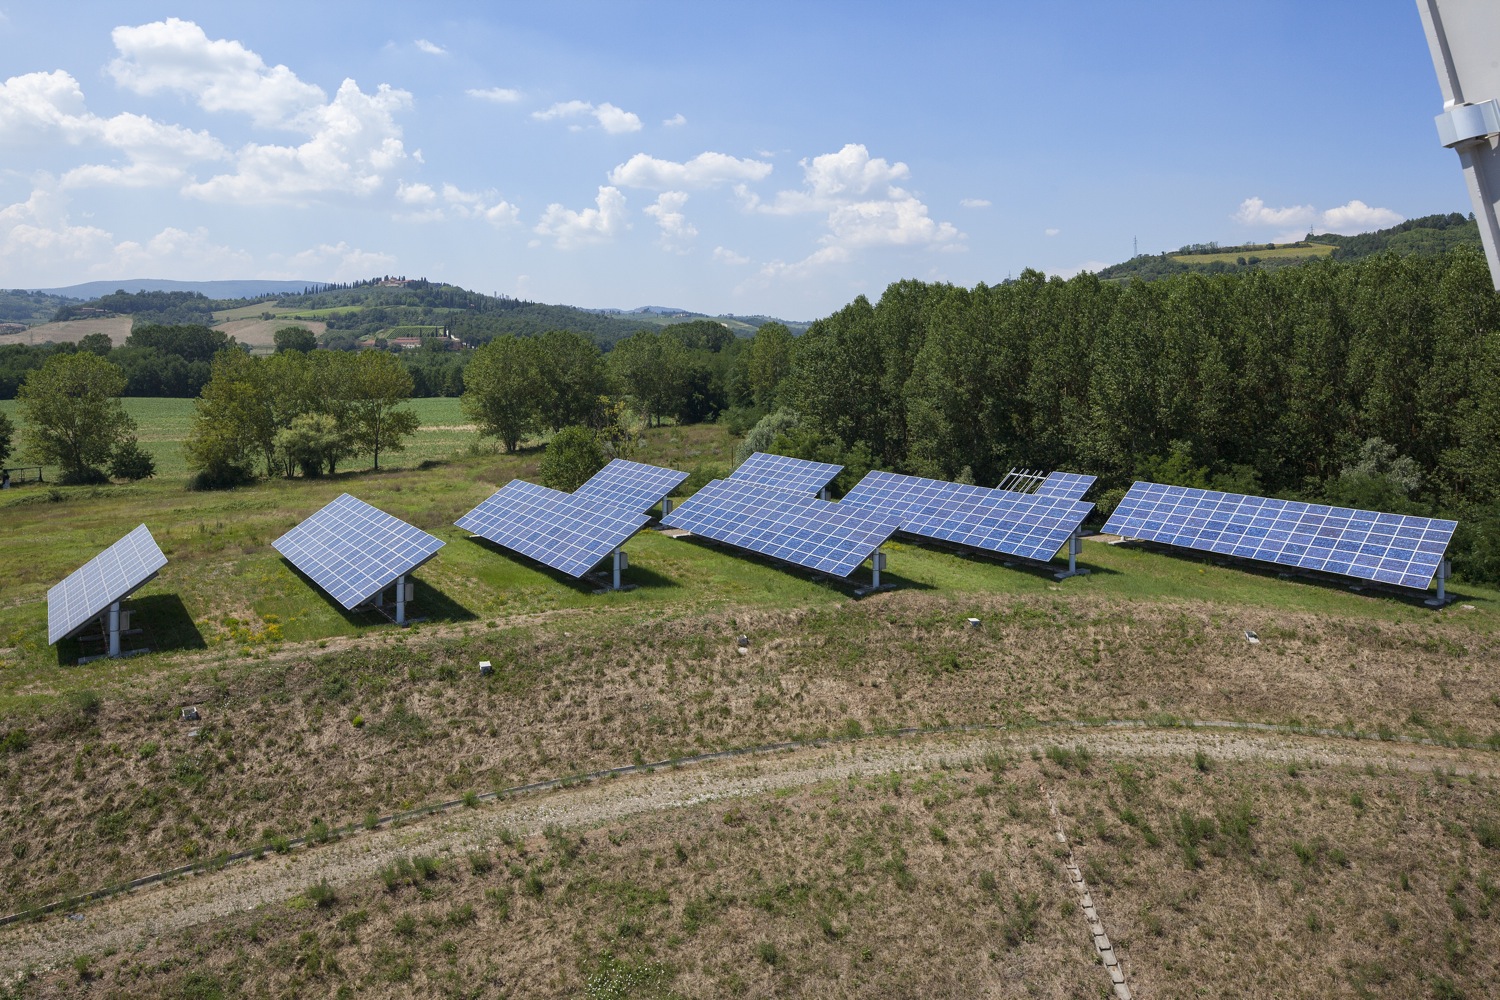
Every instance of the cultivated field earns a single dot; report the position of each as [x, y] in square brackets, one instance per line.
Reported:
[260, 334]
[72, 331]
[1280, 253]
[1351, 851]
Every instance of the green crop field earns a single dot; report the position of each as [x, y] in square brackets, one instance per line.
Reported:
[1280, 253]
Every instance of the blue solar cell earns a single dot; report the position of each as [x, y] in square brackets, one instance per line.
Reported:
[354, 551]
[1068, 485]
[793, 527]
[1367, 545]
[570, 534]
[108, 577]
[631, 485]
[785, 473]
[1025, 525]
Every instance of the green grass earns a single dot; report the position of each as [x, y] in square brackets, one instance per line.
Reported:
[1280, 253]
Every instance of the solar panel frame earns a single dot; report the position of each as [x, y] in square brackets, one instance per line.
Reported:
[570, 534]
[791, 527]
[353, 550]
[1395, 549]
[110, 576]
[779, 471]
[1023, 525]
[633, 486]
[1067, 485]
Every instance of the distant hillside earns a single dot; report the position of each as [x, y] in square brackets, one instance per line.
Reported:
[744, 326]
[208, 289]
[29, 308]
[1431, 234]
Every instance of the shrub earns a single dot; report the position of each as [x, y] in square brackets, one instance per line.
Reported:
[321, 895]
[131, 462]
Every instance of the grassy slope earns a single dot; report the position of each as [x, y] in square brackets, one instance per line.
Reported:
[1280, 253]
[110, 788]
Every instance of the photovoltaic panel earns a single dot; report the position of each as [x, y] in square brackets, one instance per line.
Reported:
[633, 486]
[1025, 525]
[785, 473]
[827, 537]
[568, 533]
[1367, 545]
[354, 551]
[108, 577]
[1068, 485]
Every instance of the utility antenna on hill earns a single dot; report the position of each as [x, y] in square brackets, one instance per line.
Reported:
[1135, 246]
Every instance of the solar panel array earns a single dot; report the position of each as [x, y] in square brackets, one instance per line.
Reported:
[793, 527]
[354, 551]
[631, 485]
[785, 473]
[1068, 485]
[561, 530]
[1025, 525]
[1368, 545]
[108, 577]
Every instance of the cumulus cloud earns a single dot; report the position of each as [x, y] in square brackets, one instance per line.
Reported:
[1357, 217]
[1051, 231]
[807, 267]
[863, 206]
[415, 194]
[176, 56]
[727, 256]
[702, 171]
[48, 107]
[354, 144]
[496, 95]
[568, 228]
[39, 245]
[974, 202]
[1352, 217]
[431, 48]
[1255, 212]
[676, 231]
[610, 118]
[333, 262]
[427, 204]
[675, 121]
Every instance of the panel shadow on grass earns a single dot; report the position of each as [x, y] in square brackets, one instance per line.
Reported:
[1042, 571]
[636, 577]
[428, 604]
[164, 626]
[1293, 575]
[859, 578]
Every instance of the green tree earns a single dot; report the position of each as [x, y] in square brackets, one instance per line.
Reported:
[7, 438]
[131, 461]
[572, 456]
[313, 442]
[294, 338]
[96, 343]
[503, 389]
[234, 420]
[374, 391]
[73, 414]
[653, 369]
[573, 373]
[768, 362]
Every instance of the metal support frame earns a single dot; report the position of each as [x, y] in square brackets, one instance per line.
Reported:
[1461, 37]
[1075, 549]
[1444, 569]
[114, 630]
[401, 600]
[619, 564]
[666, 506]
[877, 563]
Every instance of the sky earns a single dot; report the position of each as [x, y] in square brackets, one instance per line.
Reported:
[761, 158]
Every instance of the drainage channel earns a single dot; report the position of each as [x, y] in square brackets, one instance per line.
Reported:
[1086, 904]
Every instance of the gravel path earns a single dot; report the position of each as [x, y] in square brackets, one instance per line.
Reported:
[174, 906]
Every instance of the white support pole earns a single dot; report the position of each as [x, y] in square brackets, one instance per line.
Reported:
[617, 568]
[1075, 549]
[666, 506]
[1444, 568]
[114, 629]
[401, 600]
[877, 562]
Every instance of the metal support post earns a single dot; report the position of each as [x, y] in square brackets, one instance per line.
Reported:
[823, 493]
[877, 563]
[1444, 568]
[1075, 548]
[666, 506]
[401, 600]
[618, 554]
[114, 629]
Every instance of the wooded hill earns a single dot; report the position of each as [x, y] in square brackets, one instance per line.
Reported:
[1431, 234]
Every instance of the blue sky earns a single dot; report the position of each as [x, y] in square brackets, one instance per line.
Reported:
[775, 158]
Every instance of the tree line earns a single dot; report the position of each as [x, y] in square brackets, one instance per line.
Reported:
[1368, 384]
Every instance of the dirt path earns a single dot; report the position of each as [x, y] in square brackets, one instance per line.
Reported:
[174, 906]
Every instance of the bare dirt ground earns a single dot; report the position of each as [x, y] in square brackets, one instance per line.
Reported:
[262, 332]
[117, 327]
[136, 919]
